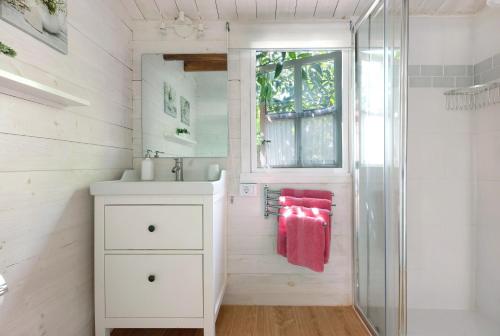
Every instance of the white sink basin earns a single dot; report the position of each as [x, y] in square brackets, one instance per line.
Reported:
[130, 184]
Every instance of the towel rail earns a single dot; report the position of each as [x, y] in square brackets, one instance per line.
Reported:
[271, 202]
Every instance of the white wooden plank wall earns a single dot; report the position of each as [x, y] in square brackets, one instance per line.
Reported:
[256, 274]
[48, 158]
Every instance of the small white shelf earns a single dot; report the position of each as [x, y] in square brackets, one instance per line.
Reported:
[180, 139]
[25, 88]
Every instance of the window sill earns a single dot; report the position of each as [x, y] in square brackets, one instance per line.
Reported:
[303, 177]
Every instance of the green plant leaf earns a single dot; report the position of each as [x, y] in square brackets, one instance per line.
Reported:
[261, 80]
[6, 50]
[278, 70]
[304, 55]
[317, 67]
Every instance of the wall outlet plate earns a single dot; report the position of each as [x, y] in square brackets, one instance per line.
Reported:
[248, 190]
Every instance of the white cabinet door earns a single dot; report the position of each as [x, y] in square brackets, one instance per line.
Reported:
[154, 227]
[154, 286]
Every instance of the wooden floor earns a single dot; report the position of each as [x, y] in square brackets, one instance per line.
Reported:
[272, 321]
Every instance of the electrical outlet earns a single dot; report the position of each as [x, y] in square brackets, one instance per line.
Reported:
[248, 190]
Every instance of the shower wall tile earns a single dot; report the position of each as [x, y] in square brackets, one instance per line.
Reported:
[496, 60]
[432, 70]
[490, 75]
[483, 66]
[449, 76]
[470, 70]
[420, 82]
[439, 197]
[487, 70]
[455, 70]
[477, 79]
[443, 82]
[464, 81]
[413, 70]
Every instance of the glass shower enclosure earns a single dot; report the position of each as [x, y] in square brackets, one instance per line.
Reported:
[379, 139]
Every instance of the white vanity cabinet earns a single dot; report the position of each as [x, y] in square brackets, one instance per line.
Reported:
[160, 259]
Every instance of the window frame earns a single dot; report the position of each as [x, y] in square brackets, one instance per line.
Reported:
[250, 172]
[336, 57]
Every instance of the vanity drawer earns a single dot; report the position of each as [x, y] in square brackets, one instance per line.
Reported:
[153, 227]
[154, 286]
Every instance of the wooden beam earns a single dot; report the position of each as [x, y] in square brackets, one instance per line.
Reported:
[195, 57]
[200, 62]
[190, 66]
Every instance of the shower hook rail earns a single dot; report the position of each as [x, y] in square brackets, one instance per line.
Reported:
[473, 97]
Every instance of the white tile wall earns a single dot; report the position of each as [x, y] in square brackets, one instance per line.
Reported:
[440, 231]
[439, 203]
[486, 128]
[454, 180]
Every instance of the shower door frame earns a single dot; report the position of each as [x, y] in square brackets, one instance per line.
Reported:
[403, 108]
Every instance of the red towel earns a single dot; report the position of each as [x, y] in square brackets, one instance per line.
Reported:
[305, 242]
[323, 194]
[309, 212]
[308, 202]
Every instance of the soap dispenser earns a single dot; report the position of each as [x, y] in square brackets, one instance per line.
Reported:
[147, 167]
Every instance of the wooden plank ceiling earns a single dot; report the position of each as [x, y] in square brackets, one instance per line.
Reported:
[261, 10]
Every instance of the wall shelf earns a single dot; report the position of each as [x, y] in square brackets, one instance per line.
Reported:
[180, 139]
[25, 88]
[473, 97]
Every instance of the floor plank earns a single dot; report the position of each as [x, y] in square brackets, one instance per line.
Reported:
[272, 321]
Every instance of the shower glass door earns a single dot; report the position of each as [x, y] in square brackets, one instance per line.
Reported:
[379, 177]
[370, 187]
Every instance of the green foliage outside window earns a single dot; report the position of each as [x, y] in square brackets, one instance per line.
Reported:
[275, 89]
[275, 77]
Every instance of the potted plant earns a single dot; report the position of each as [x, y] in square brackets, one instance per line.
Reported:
[181, 131]
[6, 50]
[53, 13]
[19, 5]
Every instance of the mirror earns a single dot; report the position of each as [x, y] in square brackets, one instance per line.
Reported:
[184, 105]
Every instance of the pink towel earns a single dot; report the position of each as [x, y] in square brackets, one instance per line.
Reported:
[308, 212]
[323, 194]
[305, 242]
[281, 241]
[308, 202]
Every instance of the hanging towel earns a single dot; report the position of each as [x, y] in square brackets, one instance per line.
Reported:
[281, 240]
[308, 202]
[323, 194]
[305, 241]
[308, 212]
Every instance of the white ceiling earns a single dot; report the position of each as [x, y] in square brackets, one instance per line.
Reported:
[283, 9]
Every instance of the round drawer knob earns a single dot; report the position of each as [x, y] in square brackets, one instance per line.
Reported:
[151, 228]
[151, 278]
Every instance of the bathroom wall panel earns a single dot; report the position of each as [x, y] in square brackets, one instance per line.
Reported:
[486, 133]
[440, 228]
[49, 156]
[257, 275]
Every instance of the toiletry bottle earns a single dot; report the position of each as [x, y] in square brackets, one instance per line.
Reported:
[147, 167]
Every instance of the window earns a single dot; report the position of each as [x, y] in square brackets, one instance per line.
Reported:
[299, 109]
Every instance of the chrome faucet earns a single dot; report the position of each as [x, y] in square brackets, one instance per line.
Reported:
[178, 169]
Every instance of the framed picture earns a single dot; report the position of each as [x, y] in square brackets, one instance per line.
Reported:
[45, 20]
[185, 110]
[169, 100]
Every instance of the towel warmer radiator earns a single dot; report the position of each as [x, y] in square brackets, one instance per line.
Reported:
[271, 202]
